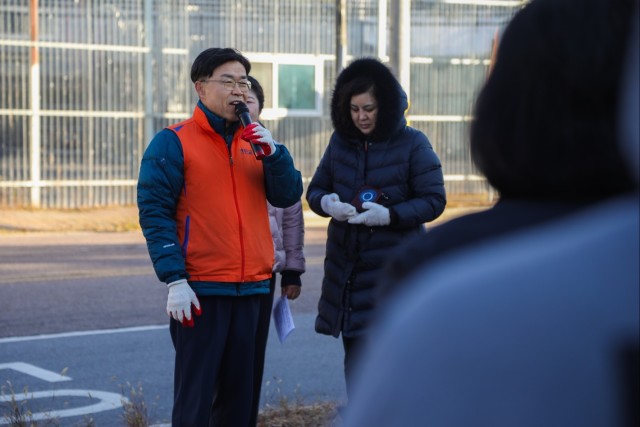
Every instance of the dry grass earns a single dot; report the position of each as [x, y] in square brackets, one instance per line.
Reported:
[17, 413]
[299, 415]
[134, 410]
[283, 411]
[125, 218]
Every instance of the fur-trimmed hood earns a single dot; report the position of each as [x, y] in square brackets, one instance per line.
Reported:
[391, 98]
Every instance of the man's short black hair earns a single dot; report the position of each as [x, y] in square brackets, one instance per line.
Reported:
[257, 89]
[210, 59]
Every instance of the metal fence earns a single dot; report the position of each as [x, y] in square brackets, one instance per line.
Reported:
[84, 85]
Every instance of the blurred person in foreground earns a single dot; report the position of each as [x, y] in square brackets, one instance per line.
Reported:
[287, 232]
[539, 327]
[543, 132]
[202, 205]
[379, 180]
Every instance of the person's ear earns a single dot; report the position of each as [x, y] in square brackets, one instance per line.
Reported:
[199, 88]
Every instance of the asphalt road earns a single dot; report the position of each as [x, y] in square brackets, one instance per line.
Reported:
[83, 326]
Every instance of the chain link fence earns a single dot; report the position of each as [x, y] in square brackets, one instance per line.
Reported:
[84, 85]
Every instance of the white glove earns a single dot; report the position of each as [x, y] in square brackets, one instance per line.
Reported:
[339, 211]
[256, 134]
[374, 215]
[179, 301]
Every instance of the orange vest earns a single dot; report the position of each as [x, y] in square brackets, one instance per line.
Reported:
[222, 217]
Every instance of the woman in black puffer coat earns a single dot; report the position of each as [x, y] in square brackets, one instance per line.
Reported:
[374, 153]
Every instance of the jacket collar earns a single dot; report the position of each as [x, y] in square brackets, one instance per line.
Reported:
[217, 123]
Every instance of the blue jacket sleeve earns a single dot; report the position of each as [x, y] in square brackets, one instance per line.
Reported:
[160, 182]
[427, 186]
[282, 181]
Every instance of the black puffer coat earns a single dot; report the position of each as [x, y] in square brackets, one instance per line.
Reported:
[397, 160]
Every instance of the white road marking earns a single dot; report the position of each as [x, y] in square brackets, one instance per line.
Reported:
[34, 371]
[108, 401]
[9, 340]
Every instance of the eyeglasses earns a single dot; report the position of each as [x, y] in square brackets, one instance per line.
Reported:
[244, 86]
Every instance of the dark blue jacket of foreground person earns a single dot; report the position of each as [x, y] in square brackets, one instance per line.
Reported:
[399, 162]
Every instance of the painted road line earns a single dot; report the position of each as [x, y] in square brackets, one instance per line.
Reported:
[106, 402]
[10, 340]
[34, 371]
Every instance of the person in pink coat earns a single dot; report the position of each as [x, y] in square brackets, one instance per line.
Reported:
[287, 231]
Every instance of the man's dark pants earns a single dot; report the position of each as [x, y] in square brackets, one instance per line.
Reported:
[264, 320]
[214, 378]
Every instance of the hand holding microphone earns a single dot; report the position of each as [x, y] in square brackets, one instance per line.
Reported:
[260, 138]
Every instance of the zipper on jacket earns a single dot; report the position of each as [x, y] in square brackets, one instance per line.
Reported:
[366, 160]
[240, 234]
[345, 310]
[229, 149]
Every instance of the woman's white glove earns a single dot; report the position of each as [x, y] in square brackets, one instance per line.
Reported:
[179, 301]
[374, 215]
[338, 210]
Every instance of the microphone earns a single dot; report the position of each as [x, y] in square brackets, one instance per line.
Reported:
[242, 111]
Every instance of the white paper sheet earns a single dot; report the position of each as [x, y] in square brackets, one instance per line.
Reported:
[282, 318]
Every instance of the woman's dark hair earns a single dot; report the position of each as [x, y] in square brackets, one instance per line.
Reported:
[257, 89]
[354, 87]
[210, 59]
[545, 121]
[357, 86]
[368, 75]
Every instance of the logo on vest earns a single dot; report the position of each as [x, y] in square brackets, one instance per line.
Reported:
[246, 151]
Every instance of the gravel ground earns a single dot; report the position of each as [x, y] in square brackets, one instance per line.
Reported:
[120, 219]
[51, 220]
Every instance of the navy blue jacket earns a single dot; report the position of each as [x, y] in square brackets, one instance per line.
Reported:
[398, 161]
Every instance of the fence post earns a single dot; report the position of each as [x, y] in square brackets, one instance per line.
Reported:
[341, 35]
[400, 46]
[148, 86]
[35, 151]
[382, 29]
